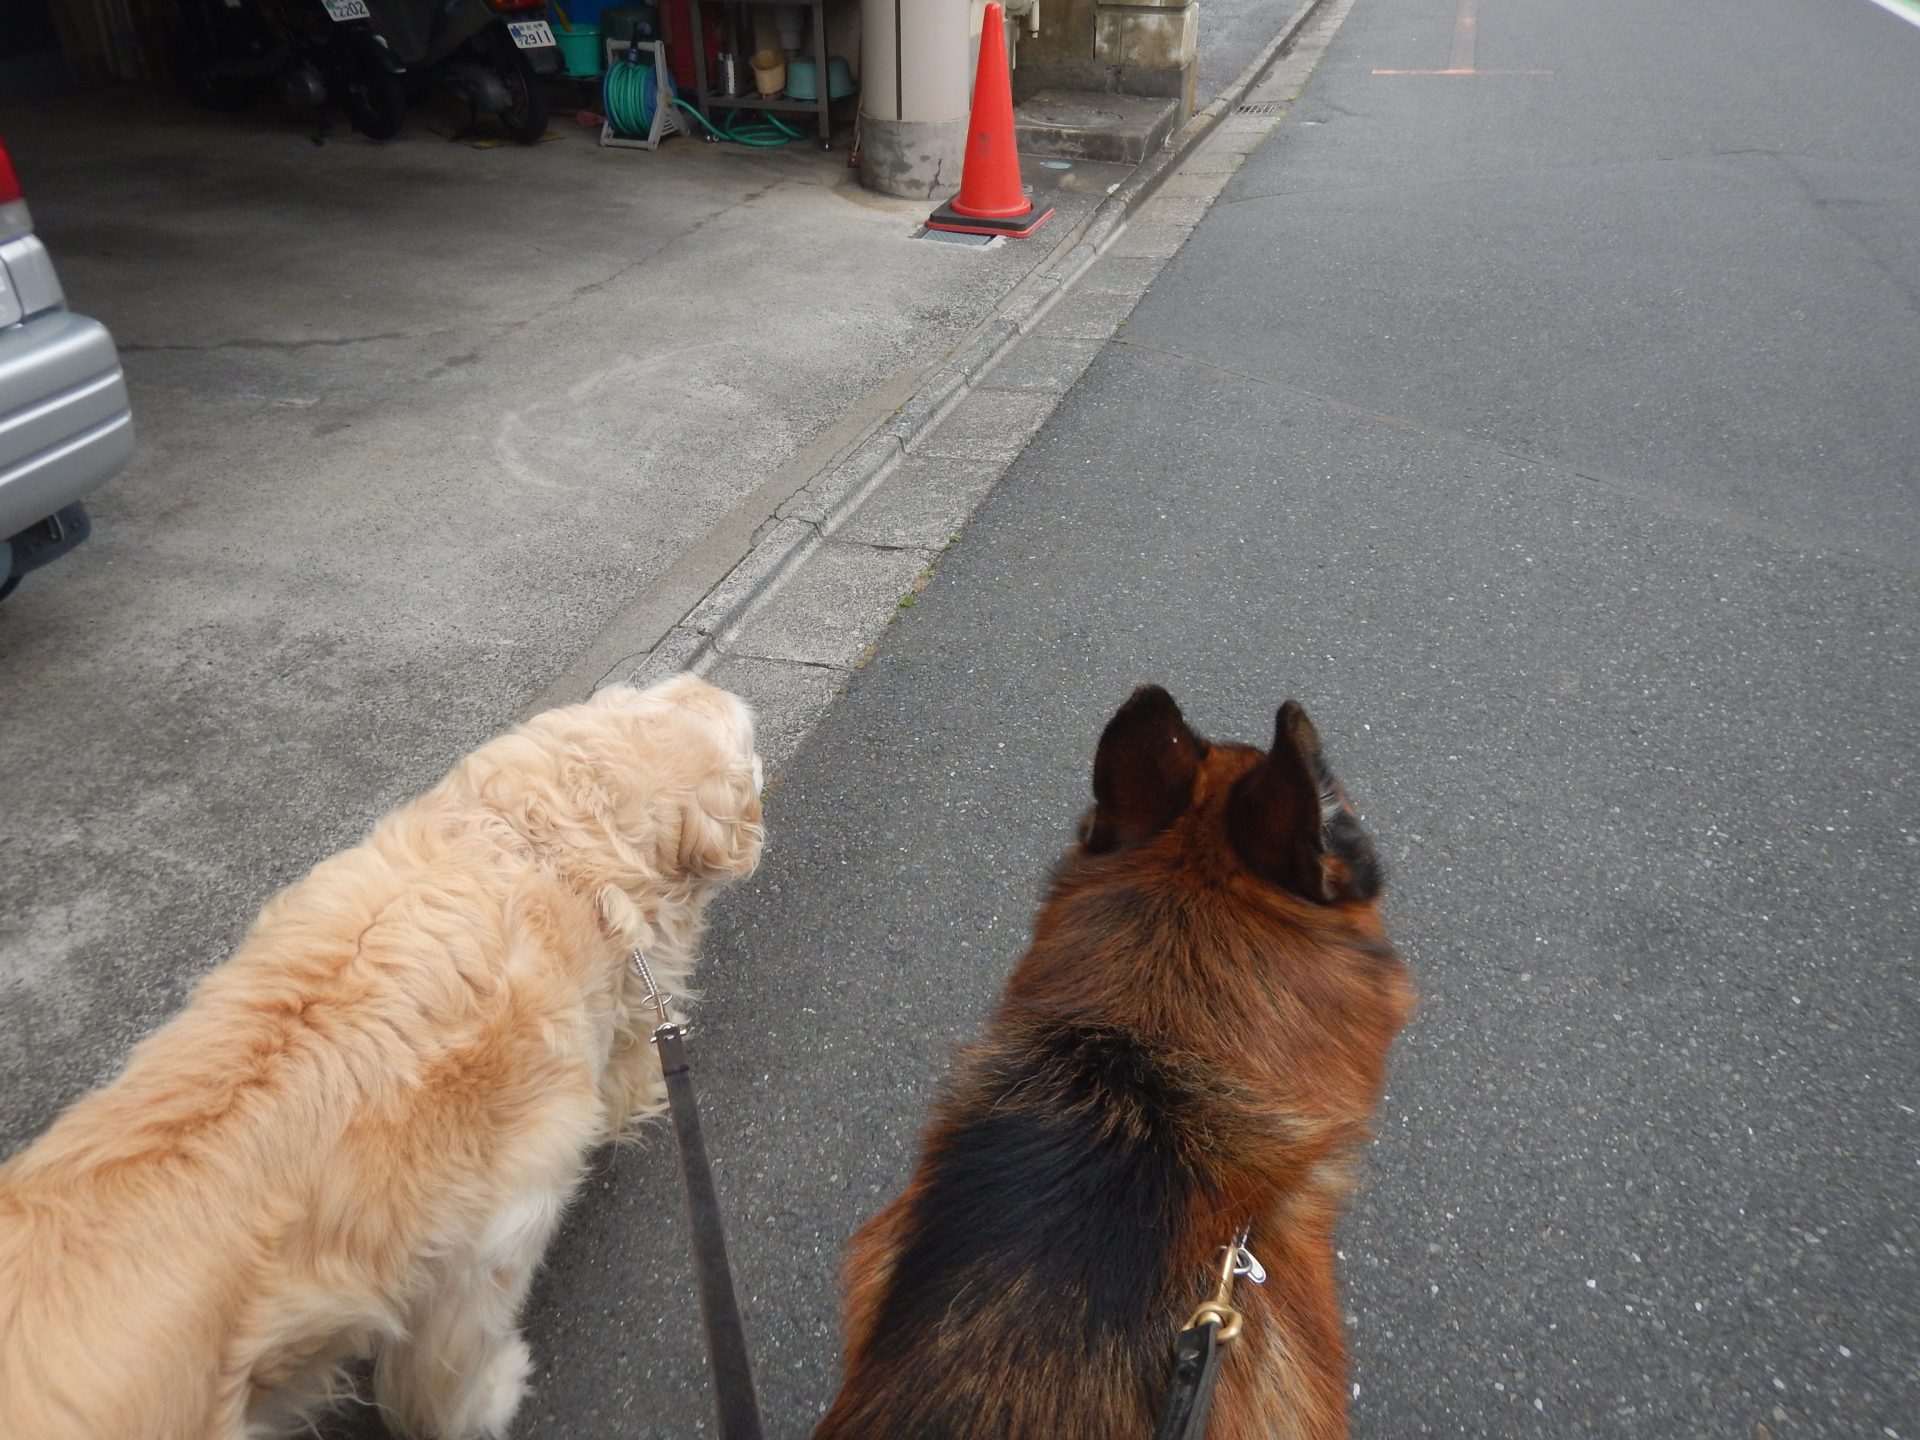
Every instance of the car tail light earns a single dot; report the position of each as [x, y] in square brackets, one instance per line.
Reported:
[9, 182]
[14, 219]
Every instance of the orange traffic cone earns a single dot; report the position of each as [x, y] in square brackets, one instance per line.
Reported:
[991, 201]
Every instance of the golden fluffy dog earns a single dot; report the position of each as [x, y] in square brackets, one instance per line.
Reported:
[360, 1134]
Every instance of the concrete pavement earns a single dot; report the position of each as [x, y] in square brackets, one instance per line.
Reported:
[804, 607]
[430, 438]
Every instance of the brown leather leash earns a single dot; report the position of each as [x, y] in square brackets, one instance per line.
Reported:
[736, 1404]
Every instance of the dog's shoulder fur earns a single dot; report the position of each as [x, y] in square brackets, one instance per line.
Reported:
[361, 1129]
[1195, 1041]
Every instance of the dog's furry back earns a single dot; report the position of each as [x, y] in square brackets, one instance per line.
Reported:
[1193, 1044]
[361, 1130]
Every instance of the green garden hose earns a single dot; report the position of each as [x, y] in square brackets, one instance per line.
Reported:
[628, 95]
[769, 130]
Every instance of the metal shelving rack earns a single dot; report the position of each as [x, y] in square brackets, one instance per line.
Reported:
[821, 106]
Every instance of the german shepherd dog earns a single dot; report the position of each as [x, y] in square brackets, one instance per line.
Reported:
[1192, 1046]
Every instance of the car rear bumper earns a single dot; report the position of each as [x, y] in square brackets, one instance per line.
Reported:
[64, 421]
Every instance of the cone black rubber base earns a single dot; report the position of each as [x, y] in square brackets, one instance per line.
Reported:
[1014, 227]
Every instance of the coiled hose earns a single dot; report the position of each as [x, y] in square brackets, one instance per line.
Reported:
[629, 93]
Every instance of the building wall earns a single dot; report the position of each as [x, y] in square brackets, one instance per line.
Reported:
[1143, 48]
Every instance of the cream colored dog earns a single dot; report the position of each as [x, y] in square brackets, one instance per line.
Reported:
[360, 1134]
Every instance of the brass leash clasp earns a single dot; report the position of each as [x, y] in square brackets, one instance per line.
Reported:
[1235, 1260]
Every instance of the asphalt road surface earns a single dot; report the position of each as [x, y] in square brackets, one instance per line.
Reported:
[1549, 431]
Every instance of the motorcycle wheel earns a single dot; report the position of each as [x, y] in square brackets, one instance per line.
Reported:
[526, 114]
[375, 101]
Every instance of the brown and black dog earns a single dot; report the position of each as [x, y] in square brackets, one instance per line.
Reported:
[1194, 1044]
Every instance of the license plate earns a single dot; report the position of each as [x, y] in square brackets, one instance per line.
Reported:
[347, 9]
[527, 34]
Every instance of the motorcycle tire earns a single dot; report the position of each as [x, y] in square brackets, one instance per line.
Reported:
[375, 101]
[525, 117]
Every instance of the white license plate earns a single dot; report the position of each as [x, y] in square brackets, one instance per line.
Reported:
[527, 34]
[347, 9]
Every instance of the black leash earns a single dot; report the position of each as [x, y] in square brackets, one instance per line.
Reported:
[736, 1404]
[1199, 1348]
[1196, 1365]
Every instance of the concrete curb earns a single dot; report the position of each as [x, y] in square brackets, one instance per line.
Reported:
[802, 524]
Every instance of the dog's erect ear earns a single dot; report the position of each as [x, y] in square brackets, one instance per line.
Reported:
[1143, 771]
[1273, 816]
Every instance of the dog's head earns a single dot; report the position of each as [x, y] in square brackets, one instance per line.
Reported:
[691, 744]
[646, 791]
[1281, 815]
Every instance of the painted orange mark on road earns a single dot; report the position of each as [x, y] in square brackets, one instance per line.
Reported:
[1460, 61]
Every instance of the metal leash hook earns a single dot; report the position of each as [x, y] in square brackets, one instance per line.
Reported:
[1236, 1260]
[656, 997]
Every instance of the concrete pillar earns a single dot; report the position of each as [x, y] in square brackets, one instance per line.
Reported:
[915, 74]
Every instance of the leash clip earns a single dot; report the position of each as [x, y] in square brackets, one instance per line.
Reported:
[1219, 1310]
[656, 997]
[1197, 1349]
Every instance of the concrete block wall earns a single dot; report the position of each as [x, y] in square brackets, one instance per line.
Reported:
[1143, 47]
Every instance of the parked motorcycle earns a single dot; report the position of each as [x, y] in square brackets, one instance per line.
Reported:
[227, 53]
[491, 55]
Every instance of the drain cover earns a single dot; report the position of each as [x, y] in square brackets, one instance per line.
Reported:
[954, 237]
[1259, 107]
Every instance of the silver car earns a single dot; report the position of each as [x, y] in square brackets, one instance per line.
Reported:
[64, 423]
